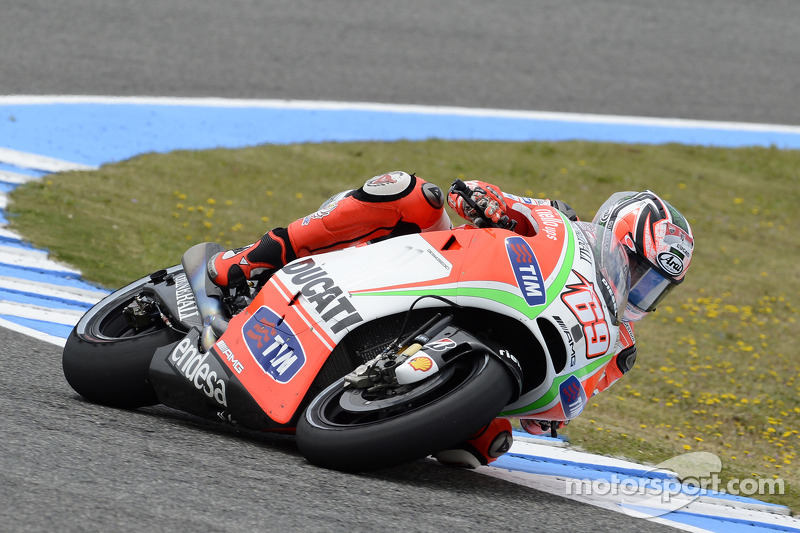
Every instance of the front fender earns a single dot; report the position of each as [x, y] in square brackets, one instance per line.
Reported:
[452, 343]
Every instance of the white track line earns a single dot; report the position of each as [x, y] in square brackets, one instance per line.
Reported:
[38, 162]
[51, 290]
[16, 177]
[52, 339]
[34, 312]
[398, 108]
[25, 257]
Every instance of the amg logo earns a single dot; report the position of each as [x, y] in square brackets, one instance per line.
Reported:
[222, 346]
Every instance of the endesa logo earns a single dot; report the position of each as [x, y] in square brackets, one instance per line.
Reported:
[199, 369]
[573, 397]
[526, 270]
[275, 350]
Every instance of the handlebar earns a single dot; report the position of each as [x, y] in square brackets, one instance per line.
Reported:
[462, 189]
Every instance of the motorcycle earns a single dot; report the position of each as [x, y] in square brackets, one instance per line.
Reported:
[374, 355]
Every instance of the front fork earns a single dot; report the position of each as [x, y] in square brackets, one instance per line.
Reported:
[425, 353]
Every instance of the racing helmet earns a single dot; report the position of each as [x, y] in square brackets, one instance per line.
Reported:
[659, 244]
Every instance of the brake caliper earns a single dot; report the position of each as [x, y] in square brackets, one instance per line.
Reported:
[143, 312]
[400, 363]
[376, 374]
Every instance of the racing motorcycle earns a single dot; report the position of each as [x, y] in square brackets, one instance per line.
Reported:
[374, 355]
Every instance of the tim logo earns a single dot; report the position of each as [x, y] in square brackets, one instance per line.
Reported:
[275, 350]
[526, 270]
[573, 398]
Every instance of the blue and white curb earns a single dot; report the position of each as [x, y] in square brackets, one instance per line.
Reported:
[99, 130]
[38, 297]
[41, 135]
[549, 465]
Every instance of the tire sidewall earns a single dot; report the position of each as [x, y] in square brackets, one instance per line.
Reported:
[444, 423]
[113, 371]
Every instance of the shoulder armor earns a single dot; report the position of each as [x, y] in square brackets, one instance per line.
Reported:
[389, 184]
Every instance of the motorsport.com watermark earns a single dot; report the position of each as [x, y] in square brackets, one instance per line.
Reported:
[681, 480]
[619, 485]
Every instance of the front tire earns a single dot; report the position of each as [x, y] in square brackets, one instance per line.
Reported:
[107, 361]
[341, 430]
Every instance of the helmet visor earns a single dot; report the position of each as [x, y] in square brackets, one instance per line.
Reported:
[648, 285]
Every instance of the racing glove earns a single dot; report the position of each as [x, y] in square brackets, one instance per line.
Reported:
[487, 197]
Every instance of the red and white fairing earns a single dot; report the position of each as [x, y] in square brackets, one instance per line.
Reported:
[308, 307]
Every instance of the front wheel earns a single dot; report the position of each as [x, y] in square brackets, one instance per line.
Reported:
[106, 360]
[354, 430]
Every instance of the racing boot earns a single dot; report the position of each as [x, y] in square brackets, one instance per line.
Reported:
[489, 443]
[234, 267]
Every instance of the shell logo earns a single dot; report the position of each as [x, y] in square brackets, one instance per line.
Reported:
[421, 363]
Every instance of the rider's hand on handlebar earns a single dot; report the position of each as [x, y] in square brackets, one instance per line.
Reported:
[486, 205]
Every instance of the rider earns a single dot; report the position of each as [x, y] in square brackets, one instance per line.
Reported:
[657, 238]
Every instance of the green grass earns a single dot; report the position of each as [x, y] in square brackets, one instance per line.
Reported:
[718, 363]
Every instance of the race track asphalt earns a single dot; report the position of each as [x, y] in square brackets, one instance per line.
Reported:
[729, 60]
[69, 465]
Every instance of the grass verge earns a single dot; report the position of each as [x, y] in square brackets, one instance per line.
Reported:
[718, 363]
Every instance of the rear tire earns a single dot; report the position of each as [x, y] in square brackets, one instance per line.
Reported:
[460, 400]
[106, 361]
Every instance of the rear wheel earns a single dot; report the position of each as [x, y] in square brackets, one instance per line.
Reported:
[106, 359]
[354, 430]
